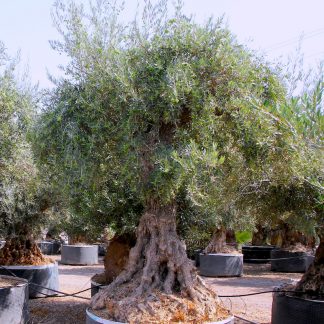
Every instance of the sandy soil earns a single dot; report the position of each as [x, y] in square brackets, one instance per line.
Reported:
[255, 309]
[256, 278]
[66, 310]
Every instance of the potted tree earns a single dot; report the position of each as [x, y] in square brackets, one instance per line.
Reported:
[82, 233]
[24, 200]
[305, 302]
[259, 250]
[294, 253]
[115, 260]
[147, 112]
[220, 259]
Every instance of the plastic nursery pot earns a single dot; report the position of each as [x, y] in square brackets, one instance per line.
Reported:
[13, 300]
[197, 257]
[42, 275]
[57, 245]
[221, 265]
[257, 253]
[295, 310]
[79, 254]
[96, 286]
[291, 261]
[46, 247]
[91, 318]
[101, 249]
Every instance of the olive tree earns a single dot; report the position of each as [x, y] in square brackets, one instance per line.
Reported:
[24, 199]
[151, 112]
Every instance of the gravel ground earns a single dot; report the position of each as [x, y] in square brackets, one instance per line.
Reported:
[66, 310]
[255, 309]
[256, 278]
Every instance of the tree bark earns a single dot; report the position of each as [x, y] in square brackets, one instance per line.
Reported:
[287, 238]
[312, 282]
[116, 257]
[230, 237]
[159, 283]
[21, 251]
[218, 243]
[260, 237]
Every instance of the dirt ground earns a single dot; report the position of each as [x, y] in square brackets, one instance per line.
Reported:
[254, 309]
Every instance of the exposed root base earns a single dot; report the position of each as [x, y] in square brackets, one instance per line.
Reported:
[312, 282]
[162, 308]
[298, 247]
[19, 251]
[159, 282]
[287, 238]
[218, 243]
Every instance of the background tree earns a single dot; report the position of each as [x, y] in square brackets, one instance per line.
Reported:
[149, 112]
[306, 113]
[24, 198]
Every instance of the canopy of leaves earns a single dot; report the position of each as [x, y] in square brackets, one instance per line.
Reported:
[23, 198]
[162, 109]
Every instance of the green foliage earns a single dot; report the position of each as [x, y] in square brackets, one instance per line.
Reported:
[243, 237]
[168, 108]
[24, 198]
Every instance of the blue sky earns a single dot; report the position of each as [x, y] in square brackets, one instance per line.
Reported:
[271, 26]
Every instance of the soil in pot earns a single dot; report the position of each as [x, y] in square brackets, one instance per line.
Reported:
[180, 316]
[13, 300]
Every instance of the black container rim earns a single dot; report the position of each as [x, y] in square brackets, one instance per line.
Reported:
[280, 294]
[223, 254]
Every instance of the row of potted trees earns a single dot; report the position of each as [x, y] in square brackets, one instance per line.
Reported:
[149, 119]
[16, 289]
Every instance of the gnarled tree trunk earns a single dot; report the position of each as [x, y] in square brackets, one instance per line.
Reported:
[116, 257]
[260, 236]
[230, 237]
[290, 239]
[218, 242]
[21, 251]
[312, 282]
[159, 283]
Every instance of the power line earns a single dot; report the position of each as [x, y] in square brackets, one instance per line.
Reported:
[293, 40]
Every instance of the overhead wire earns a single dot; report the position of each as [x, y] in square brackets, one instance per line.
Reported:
[295, 39]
